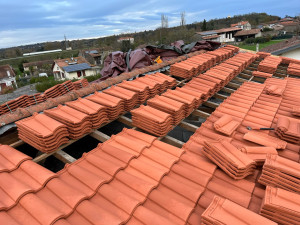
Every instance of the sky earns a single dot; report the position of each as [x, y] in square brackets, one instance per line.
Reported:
[27, 22]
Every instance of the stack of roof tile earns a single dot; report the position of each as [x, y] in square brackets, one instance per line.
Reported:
[163, 83]
[225, 212]
[160, 76]
[35, 99]
[80, 83]
[281, 206]
[183, 69]
[294, 69]
[78, 123]
[130, 97]
[274, 90]
[97, 114]
[204, 88]
[42, 132]
[281, 172]
[138, 87]
[226, 125]
[288, 129]
[232, 161]
[170, 106]
[114, 106]
[269, 64]
[152, 120]
[12, 105]
[66, 87]
[53, 92]
[261, 74]
[190, 102]
[263, 55]
[258, 154]
[154, 86]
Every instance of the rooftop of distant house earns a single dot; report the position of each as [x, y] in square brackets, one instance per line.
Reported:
[5, 70]
[95, 52]
[38, 63]
[247, 32]
[283, 46]
[239, 23]
[70, 61]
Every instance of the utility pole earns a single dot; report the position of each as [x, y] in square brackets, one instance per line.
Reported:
[66, 43]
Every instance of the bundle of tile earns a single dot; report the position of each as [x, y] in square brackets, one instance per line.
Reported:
[183, 70]
[66, 87]
[281, 206]
[53, 91]
[80, 83]
[225, 212]
[154, 87]
[201, 86]
[114, 106]
[152, 120]
[288, 129]
[274, 90]
[261, 74]
[192, 91]
[269, 64]
[296, 110]
[35, 99]
[130, 97]
[226, 125]
[189, 101]
[232, 161]
[42, 132]
[141, 89]
[170, 80]
[263, 55]
[258, 154]
[170, 106]
[96, 113]
[12, 105]
[262, 138]
[78, 123]
[294, 69]
[281, 172]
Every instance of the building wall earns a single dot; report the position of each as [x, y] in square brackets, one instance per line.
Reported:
[258, 34]
[8, 81]
[294, 54]
[74, 75]
[229, 37]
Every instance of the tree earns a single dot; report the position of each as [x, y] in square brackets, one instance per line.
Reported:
[164, 21]
[204, 28]
[20, 65]
[182, 19]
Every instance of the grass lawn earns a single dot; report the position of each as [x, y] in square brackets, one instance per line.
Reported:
[261, 45]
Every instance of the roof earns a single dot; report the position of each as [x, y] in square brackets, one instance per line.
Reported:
[65, 62]
[124, 38]
[76, 67]
[247, 32]
[4, 69]
[290, 23]
[239, 23]
[93, 52]
[283, 46]
[207, 32]
[229, 29]
[210, 37]
[38, 63]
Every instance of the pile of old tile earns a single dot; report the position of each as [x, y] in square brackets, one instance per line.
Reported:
[261, 74]
[274, 90]
[226, 125]
[269, 64]
[80, 83]
[130, 97]
[78, 123]
[281, 206]
[140, 88]
[42, 132]
[66, 87]
[152, 120]
[288, 129]
[257, 153]
[114, 106]
[231, 160]
[170, 106]
[262, 138]
[225, 212]
[281, 172]
[97, 114]
[294, 69]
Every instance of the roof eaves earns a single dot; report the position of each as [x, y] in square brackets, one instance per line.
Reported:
[280, 51]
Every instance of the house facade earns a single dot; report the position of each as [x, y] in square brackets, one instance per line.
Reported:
[244, 34]
[93, 56]
[224, 35]
[7, 77]
[72, 68]
[130, 39]
[245, 25]
[38, 65]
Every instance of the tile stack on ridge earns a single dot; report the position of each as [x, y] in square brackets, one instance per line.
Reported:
[170, 106]
[53, 92]
[281, 206]
[281, 172]
[225, 212]
[42, 132]
[35, 99]
[233, 162]
[78, 123]
[269, 64]
[66, 87]
[288, 129]
[130, 97]
[12, 105]
[152, 120]
[114, 106]
[97, 114]
[80, 83]
[294, 69]
[138, 87]
[261, 74]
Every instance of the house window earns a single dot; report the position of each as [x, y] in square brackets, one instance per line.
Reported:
[63, 75]
[83, 72]
[78, 74]
[226, 35]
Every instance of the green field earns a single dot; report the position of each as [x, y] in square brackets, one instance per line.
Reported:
[261, 45]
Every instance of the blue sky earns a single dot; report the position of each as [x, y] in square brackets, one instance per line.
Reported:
[26, 22]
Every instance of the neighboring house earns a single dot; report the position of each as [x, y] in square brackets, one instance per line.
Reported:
[131, 39]
[245, 25]
[221, 35]
[244, 34]
[93, 56]
[288, 48]
[72, 68]
[291, 26]
[7, 77]
[38, 65]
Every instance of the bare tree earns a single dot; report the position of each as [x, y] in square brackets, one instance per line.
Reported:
[164, 21]
[182, 19]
